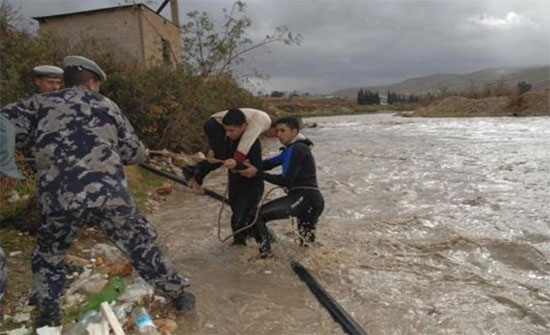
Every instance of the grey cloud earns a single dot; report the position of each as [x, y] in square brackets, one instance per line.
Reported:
[350, 43]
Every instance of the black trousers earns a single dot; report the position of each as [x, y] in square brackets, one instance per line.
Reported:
[305, 205]
[244, 203]
[216, 137]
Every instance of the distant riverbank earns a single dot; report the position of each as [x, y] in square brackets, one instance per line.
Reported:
[529, 104]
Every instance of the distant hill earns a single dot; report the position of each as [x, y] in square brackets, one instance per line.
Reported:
[537, 76]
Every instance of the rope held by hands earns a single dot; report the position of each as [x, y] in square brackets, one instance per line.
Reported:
[349, 325]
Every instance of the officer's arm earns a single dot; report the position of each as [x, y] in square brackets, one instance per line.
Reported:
[21, 115]
[130, 148]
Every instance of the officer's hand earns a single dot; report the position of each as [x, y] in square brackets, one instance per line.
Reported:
[230, 163]
[249, 172]
[195, 186]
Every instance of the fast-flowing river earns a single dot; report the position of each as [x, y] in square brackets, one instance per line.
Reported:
[431, 226]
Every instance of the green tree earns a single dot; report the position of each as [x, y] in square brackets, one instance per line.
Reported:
[211, 50]
[523, 87]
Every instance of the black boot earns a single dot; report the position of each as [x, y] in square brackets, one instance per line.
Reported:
[33, 299]
[184, 302]
[265, 248]
[51, 319]
[263, 237]
[307, 233]
[188, 171]
[239, 239]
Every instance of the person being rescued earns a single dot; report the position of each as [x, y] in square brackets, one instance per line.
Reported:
[303, 200]
[257, 122]
[244, 194]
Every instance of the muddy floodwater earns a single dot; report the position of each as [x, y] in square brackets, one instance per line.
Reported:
[431, 226]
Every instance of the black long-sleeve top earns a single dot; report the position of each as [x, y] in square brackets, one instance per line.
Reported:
[298, 166]
[236, 181]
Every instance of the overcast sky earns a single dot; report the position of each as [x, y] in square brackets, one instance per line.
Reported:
[361, 43]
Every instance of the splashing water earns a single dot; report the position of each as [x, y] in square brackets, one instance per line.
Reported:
[431, 226]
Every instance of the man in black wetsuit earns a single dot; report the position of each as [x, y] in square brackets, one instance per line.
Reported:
[244, 193]
[304, 200]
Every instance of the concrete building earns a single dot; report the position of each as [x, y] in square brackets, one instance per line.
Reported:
[128, 31]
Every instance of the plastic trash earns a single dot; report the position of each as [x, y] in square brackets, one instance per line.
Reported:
[137, 291]
[143, 322]
[114, 287]
[122, 310]
[79, 328]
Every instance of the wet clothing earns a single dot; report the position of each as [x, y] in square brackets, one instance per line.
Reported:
[82, 141]
[244, 193]
[258, 122]
[297, 163]
[303, 201]
[216, 137]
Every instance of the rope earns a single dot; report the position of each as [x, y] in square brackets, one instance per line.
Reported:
[257, 210]
[325, 299]
[338, 313]
[349, 325]
[250, 224]
[220, 216]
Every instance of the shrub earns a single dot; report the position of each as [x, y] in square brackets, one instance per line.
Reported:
[166, 105]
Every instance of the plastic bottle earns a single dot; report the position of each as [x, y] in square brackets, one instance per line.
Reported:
[79, 328]
[114, 287]
[143, 322]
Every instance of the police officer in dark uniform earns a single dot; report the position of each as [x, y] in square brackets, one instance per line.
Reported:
[82, 143]
[47, 78]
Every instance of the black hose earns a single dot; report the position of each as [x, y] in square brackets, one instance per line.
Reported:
[337, 312]
[182, 181]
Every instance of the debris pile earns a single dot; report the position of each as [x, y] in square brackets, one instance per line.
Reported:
[102, 292]
[102, 287]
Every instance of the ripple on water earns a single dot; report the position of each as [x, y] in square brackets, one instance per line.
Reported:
[431, 226]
